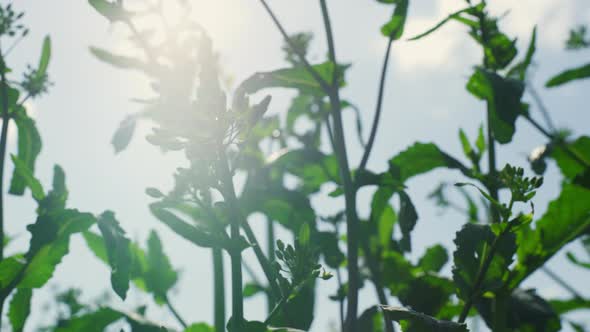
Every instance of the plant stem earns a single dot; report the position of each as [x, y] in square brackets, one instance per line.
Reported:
[481, 275]
[270, 233]
[560, 142]
[229, 195]
[3, 142]
[492, 172]
[561, 282]
[264, 262]
[219, 290]
[323, 84]
[175, 313]
[348, 185]
[377, 116]
[541, 106]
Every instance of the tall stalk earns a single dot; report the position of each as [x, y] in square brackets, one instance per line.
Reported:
[352, 223]
[270, 237]
[218, 290]
[235, 253]
[3, 141]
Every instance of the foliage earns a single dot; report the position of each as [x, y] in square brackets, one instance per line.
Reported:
[241, 161]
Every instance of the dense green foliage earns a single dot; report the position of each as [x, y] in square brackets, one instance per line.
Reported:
[279, 166]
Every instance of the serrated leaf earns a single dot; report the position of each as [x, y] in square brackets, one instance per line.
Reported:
[504, 101]
[159, 277]
[567, 218]
[473, 243]
[119, 256]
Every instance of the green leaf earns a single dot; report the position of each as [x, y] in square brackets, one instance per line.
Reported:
[418, 159]
[199, 327]
[94, 321]
[427, 293]
[124, 133]
[313, 167]
[96, 244]
[113, 11]
[408, 216]
[295, 78]
[251, 289]
[577, 73]
[120, 61]
[394, 29]
[23, 173]
[45, 57]
[184, 229]
[119, 256]
[50, 238]
[453, 16]
[421, 322]
[520, 69]
[29, 147]
[569, 167]
[566, 218]
[504, 101]
[433, 259]
[10, 268]
[524, 311]
[160, 277]
[20, 308]
[566, 306]
[572, 258]
[473, 245]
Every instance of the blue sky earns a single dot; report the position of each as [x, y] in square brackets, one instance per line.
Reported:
[425, 100]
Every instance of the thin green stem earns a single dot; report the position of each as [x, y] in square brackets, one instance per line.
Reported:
[316, 76]
[229, 195]
[352, 223]
[379, 106]
[541, 105]
[175, 313]
[481, 276]
[555, 277]
[560, 142]
[3, 142]
[264, 262]
[219, 290]
[270, 234]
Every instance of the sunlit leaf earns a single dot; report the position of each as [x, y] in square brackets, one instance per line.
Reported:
[569, 75]
[20, 308]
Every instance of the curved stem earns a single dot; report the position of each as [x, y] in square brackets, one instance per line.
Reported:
[175, 313]
[270, 233]
[379, 106]
[541, 106]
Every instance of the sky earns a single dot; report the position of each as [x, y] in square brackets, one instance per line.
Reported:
[425, 100]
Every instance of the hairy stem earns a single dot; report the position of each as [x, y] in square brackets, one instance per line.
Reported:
[219, 290]
[352, 223]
